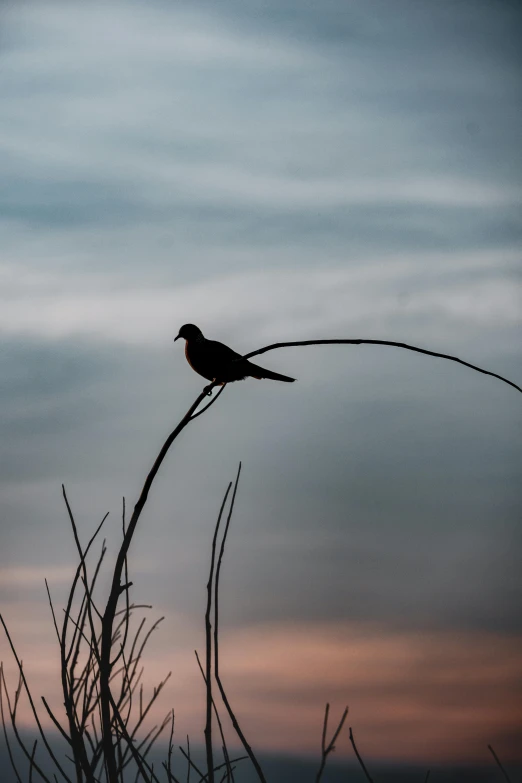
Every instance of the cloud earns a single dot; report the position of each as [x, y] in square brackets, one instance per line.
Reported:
[25, 577]
[278, 304]
[426, 697]
[271, 171]
[397, 685]
[185, 116]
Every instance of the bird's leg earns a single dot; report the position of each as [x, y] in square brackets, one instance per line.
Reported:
[208, 389]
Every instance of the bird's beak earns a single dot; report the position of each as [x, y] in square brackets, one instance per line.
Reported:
[177, 338]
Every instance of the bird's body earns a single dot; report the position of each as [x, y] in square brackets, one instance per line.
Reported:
[217, 362]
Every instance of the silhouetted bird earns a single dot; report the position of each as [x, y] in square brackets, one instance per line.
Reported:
[219, 363]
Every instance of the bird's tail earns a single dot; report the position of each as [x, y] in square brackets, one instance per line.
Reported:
[259, 372]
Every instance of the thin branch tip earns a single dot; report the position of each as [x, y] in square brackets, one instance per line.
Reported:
[391, 343]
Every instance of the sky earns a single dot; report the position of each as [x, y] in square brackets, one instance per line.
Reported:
[274, 170]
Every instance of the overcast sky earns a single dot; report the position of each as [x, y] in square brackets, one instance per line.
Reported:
[275, 170]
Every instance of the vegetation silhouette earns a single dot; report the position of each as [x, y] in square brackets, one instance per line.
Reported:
[101, 655]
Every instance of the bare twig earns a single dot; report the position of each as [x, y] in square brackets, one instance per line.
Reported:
[220, 766]
[140, 762]
[112, 602]
[361, 762]
[126, 615]
[143, 714]
[168, 765]
[15, 730]
[220, 725]
[78, 635]
[75, 580]
[499, 764]
[327, 749]
[52, 610]
[192, 764]
[31, 702]
[55, 721]
[79, 750]
[31, 762]
[89, 601]
[4, 726]
[203, 775]
[198, 413]
[226, 774]
[156, 732]
[379, 342]
[224, 696]
[208, 647]
[170, 775]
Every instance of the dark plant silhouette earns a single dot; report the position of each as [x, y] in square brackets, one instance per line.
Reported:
[101, 652]
[359, 759]
[390, 343]
[79, 638]
[499, 764]
[327, 748]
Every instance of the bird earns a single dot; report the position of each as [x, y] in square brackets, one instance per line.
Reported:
[217, 362]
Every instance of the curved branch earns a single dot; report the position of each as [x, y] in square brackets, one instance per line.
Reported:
[224, 696]
[327, 749]
[361, 762]
[380, 342]
[198, 413]
[506, 776]
[208, 646]
[31, 702]
[105, 664]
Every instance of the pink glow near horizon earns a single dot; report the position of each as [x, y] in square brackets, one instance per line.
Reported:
[427, 697]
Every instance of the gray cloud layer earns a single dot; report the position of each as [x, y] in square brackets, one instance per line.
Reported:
[269, 170]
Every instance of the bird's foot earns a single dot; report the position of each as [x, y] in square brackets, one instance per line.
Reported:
[208, 389]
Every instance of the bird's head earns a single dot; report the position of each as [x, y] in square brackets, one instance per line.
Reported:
[189, 332]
